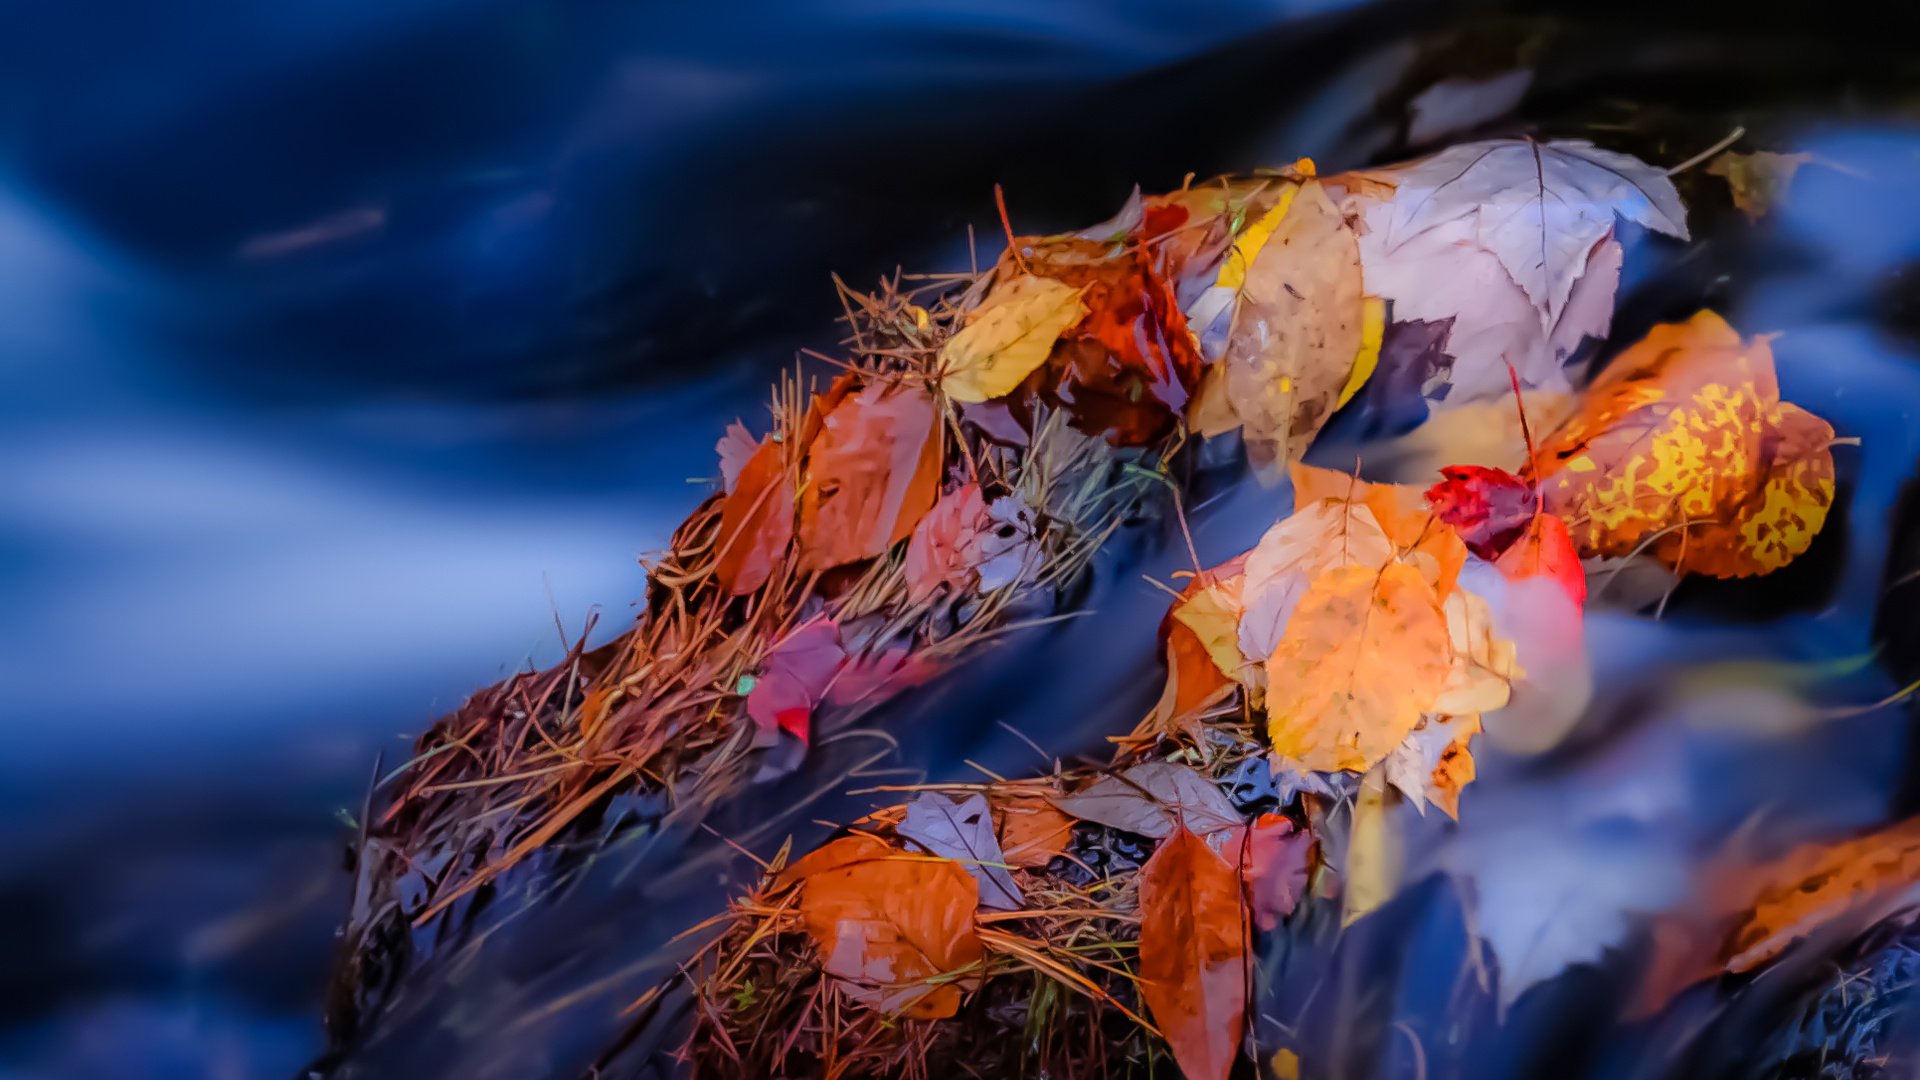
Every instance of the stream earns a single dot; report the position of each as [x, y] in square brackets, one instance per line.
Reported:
[351, 354]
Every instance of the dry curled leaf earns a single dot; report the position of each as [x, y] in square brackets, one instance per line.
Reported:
[1009, 336]
[1684, 444]
[897, 932]
[1193, 954]
[871, 474]
[1153, 799]
[1364, 656]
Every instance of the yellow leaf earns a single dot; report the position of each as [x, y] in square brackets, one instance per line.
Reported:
[1364, 655]
[1373, 328]
[1233, 269]
[1213, 614]
[1373, 852]
[1683, 443]
[1010, 336]
[1298, 329]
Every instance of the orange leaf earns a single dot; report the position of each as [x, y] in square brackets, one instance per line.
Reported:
[756, 521]
[1684, 443]
[1816, 885]
[1193, 954]
[871, 475]
[889, 929]
[857, 847]
[1365, 654]
[1032, 832]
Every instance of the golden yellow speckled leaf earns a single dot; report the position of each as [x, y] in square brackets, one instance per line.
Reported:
[1684, 444]
[1011, 334]
[1364, 655]
[1298, 329]
[1814, 885]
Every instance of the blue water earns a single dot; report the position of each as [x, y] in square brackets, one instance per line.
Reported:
[351, 353]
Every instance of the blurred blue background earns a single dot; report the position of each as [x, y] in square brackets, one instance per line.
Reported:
[351, 352]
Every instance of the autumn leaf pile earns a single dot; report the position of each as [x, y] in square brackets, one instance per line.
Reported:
[984, 437]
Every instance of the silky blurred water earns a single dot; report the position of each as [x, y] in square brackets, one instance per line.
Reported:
[351, 353]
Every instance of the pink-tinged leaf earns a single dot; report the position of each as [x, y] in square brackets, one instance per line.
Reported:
[734, 448]
[792, 680]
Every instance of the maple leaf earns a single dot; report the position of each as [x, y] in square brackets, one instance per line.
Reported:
[1489, 508]
[1365, 654]
[1007, 337]
[756, 521]
[1683, 443]
[1302, 329]
[792, 680]
[1539, 207]
[1033, 831]
[1508, 242]
[1435, 762]
[897, 933]
[1193, 954]
[962, 830]
[1153, 799]
[871, 475]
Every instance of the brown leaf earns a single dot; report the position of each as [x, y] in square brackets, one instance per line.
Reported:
[1758, 181]
[890, 928]
[1299, 330]
[873, 472]
[1154, 799]
[756, 521]
[1193, 955]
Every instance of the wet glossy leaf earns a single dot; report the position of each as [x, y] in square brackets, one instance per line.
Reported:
[1010, 335]
[962, 830]
[756, 521]
[871, 475]
[1033, 831]
[1365, 655]
[896, 931]
[1153, 800]
[1193, 954]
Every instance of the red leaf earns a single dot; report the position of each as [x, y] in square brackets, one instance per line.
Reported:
[871, 475]
[1545, 548]
[793, 679]
[1488, 507]
[1124, 371]
[1193, 954]
[756, 521]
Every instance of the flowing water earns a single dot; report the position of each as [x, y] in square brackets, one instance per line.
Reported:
[345, 351]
